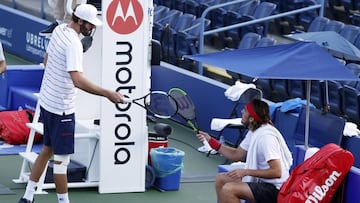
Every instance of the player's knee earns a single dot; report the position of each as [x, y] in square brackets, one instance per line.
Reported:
[60, 163]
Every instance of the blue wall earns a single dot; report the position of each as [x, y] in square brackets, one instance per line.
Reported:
[19, 34]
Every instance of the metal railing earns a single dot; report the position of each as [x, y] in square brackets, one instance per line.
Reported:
[203, 33]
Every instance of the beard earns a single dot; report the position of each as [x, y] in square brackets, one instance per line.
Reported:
[84, 31]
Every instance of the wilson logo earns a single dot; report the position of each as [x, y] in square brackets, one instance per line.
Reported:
[320, 191]
[124, 16]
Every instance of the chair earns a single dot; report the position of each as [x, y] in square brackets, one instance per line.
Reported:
[324, 128]
[334, 92]
[170, 18]
[305, 18]
[155, 52]
[318, 24]
[235, 139]
[357, 42]
[350, 32]
[265, 42]
[193, 6]
[160, 12]
[179, 5]
[248, 41]
[297, 88]
[350, 103]
[317, 93]
[187, 43]
[168, 36]
[264, 9]
[290, 5]
[334, 25]
[233, 17]
[280, 87]
[355, 68]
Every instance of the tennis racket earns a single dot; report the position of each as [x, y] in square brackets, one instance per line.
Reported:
[186, 110]
[159, 103]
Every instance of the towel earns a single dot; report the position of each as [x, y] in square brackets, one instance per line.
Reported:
[351, 129]
[251, 158]
[219, 124]
[234, 92]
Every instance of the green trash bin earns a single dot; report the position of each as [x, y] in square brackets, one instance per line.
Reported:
[167, 163]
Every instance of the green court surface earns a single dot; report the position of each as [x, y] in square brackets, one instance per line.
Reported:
[196, 185]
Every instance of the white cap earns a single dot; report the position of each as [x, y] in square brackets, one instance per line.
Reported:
[88, 12]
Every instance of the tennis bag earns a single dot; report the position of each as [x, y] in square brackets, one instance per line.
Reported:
[317, 179]
[13, 129]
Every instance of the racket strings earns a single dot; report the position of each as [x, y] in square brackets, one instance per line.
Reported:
[161, 105]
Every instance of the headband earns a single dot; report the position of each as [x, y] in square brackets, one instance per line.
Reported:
[252, 113]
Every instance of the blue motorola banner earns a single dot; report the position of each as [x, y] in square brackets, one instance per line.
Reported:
[19, 34]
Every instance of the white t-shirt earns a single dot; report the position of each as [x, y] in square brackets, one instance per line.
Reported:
[2, 57]
[65, 54]
[267, 148]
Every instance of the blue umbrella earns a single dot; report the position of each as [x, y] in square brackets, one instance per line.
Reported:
[333, 42]
[297, 61]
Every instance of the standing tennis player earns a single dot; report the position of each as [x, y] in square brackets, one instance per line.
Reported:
[63, 75]
[266, 155]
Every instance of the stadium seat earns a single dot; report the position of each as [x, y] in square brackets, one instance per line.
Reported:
[305, 18]
[324, 128]
[290, 5]
[317, 93]
[159, 12]
[334, 25]
[350, 32]
[334, 92]
[266, 41]
[350, 103]
[168, 36]
[169, 19]
[355, 68]
[248, 41]
[318, 24]
[297, 88]
[280, 87]
[264, 9]
[233, 17]
[179, 5]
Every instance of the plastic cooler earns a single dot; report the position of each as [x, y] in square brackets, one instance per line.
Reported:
[167, 163]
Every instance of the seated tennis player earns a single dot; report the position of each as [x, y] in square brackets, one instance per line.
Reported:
[266, 156]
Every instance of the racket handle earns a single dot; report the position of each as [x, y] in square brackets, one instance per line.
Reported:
[126, 100]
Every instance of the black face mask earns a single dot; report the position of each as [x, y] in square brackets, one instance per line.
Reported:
[87, 41]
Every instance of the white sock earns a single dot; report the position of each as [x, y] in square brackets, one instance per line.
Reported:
[63, 198]
[30, 190]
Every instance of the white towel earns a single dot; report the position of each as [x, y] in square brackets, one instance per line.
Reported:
[234, 92]
[219, 124]
[351, 129]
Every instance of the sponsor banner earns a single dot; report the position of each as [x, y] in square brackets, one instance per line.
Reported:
[125, 68]
[19, 34]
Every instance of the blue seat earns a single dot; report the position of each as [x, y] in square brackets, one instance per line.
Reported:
[350, 103]
[355, 68]
[193, 6]
[233, 17]
[159, 12]
[318, 24]
[280, 87]
[324, 128]
[266, 41]
[187, 43]
[264, 9]
[317, 93]
[334, 25]
[305, 18]
[169, 19]
[350, 32]
[179, 5]
[296, 88]
[290, 5]
[248, 41]
[335, 101]
[168, 36]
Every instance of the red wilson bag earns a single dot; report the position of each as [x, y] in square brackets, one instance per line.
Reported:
[13, 129]
[317, 179]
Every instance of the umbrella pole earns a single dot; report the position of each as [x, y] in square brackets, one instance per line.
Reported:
[327, 105]
[307, 118]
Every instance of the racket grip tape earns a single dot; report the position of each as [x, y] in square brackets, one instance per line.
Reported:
[213, 143]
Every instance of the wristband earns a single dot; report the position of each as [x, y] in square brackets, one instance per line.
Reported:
[214, 144]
